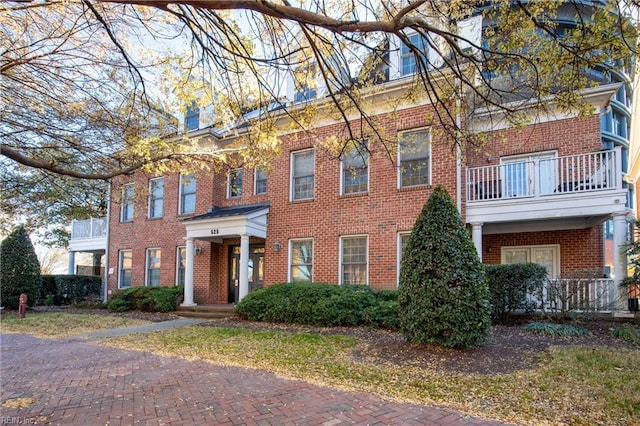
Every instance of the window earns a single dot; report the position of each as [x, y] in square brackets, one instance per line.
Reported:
[156, 189]
[235, 184]
[304, 93]
[128, 198]
[414, 158]
[403, 240]
[303, 84]
[353, 265]
[547, 256]
[355, 170]
[192, 118]
[527, 175]
[261, 180]
[125, 264]
[181, 264]
[409, 64]
[301, 252]
[153, 267]
[302, 175]
[187, 194]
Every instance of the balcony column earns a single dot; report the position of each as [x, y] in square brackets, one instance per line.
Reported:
[619, 258]
[476, 236]
[71, 270]
[188, 275]
[244, 266]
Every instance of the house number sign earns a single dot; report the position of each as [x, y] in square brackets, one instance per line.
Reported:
[215, 231]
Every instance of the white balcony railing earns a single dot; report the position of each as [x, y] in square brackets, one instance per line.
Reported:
[546, 177]
[89, 228]
[563, 295]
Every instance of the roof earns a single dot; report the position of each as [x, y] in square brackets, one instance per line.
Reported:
[241, 210]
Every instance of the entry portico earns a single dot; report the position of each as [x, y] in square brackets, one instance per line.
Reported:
[244, 221]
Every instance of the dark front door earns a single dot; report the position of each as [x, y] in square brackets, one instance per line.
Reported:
[256, 270]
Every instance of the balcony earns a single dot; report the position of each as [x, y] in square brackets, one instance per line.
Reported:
[575, 191]
[89, 235]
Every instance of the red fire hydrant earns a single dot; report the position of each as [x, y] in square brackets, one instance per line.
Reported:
[22, 307]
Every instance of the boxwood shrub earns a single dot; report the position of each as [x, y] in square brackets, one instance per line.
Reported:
[320, 304]
[67, 289]
[146, 299]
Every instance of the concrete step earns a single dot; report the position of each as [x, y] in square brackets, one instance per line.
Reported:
[206, 311]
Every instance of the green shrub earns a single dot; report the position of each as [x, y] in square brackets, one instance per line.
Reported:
[318, 304]
[556, 330]
[509, 286]
[443, 295]
[146, 299]
[627, 333]
[19, 270]
[69, 289]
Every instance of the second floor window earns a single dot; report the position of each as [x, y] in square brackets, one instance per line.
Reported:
[156, 190]
[235, 183]
[302, 175]
[414, 158]
[187, 194]
[355, 170]
[192, 118]
[128, 198]
[261, 180]
[409, 59]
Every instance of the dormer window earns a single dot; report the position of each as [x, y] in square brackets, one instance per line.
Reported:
[409, 63]
[192, 118]
[304, 93]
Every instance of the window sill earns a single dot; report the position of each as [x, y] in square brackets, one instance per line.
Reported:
[354, 195]
[415, 187]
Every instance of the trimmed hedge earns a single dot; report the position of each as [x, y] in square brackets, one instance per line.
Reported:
[321, 304]
[147, 299]
[68, 289]
[509, 286]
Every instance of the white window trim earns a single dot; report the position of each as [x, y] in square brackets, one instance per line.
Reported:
[178, 263]
[399, 254]
[342, 177]
[255, 182]
[229, 183]
[291, 177]
[146, 265]
[290, 257]
[180, 194]
[122, 204]
[120, 258]
[429, 154]
[342, 238]
[556, 260]
[151, 197]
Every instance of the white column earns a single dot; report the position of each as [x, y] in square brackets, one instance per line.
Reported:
[71, 270]
[244, 266]
[476, 236]
[619, 257]
[188, 275]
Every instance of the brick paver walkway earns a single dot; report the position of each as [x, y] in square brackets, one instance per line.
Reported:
[77, 382]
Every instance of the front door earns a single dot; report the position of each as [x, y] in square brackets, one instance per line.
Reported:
[256, 270]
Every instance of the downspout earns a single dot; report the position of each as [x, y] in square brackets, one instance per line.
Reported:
[458, 151]
[105, 294]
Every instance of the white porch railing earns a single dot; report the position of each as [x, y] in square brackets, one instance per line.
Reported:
[546, 176]
[89, 228]
[563, 295]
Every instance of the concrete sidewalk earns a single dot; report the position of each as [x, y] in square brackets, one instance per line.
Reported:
[148, 328]
[79, 382]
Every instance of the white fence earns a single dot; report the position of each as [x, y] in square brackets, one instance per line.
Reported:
[89, 228]
[563, 295]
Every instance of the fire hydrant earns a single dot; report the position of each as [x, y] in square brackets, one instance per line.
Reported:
[22, 306]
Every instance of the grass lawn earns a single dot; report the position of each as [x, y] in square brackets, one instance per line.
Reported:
[570, 384]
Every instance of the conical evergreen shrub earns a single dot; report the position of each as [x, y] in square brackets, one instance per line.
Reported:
[19, 270]
[443, 295]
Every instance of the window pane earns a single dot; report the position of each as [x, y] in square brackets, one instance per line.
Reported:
[354, 260]
[303, 175]
[301, 261]
[235, 183]
[261, 180]
[187, 194]
[153, 267]
[414, 158]
[127, 203]
[182, 264]
[409, 64]
[156, 188]
[355, 171]
[125, 268]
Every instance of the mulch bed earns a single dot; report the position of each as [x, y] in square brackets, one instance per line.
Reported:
[509, 348]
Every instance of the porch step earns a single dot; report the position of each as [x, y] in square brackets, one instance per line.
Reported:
[206, 311]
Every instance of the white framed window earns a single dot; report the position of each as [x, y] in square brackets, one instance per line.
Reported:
[354, 253]
[187, 199]
[354, 170]
[408, 59]
[414, 158]
[234, 183]
[128, 203]
[181, 264]
[192, 117]
[528, 175]
[545, 255]
[154, 262]
[260, 181]
[156, 195]
[403, 240]
[302, 175]
[125, 265]
[301, 260]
